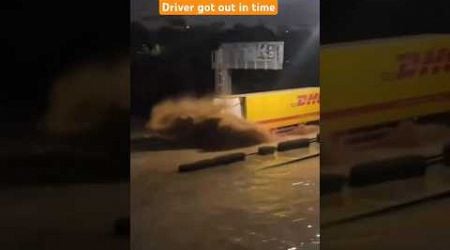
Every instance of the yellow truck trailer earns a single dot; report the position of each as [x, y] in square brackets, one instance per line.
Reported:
[276, 109]
[271, 109]
[369, 83]
[364, 84]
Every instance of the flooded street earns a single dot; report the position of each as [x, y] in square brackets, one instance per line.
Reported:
[73, 216]
[387, 214]
[244, 205]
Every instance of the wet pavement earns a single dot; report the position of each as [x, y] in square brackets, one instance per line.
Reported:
[244, 205]
[407, 213]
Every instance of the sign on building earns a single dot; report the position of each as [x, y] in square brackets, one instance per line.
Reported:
[248, 55]
[255, 55]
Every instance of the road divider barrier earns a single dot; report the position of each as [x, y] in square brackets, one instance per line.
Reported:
[213, 162]
[293, 144]
[266, 150]
[388, 170]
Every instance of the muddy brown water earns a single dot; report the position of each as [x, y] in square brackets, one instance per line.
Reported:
[239, 206]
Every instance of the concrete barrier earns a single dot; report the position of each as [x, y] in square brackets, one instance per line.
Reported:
[293, 144]
[213, 162]
[266, 150]
[387, 170]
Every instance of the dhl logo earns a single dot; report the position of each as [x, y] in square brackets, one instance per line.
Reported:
[416, 64]
[307, 99]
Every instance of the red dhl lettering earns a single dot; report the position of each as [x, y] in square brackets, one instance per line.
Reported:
[307, 99]
[413, 64]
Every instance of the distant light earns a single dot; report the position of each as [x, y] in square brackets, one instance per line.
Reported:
[188, 27]
[309, 226]
[292, 248]
[286, 31]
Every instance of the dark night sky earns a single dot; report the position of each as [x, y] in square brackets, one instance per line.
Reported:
[352, 20]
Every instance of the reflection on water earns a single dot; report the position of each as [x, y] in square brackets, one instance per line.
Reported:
[235, 207]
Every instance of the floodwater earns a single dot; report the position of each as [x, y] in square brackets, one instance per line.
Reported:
[239, 206]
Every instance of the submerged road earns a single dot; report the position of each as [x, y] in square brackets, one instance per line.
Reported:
[244, 205]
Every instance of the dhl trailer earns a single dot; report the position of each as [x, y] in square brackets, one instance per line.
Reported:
[383, 81]
[271, 109]
[364, 84]
[276, 109]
